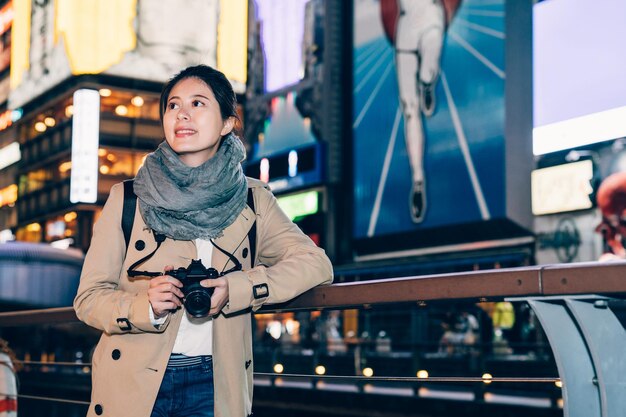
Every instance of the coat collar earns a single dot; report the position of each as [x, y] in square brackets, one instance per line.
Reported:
[232, 238]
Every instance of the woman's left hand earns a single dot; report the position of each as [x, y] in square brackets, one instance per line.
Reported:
[220, 294]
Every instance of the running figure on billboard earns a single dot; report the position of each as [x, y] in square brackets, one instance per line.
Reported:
[416, 30]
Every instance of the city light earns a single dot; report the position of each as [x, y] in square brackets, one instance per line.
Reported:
[49, 121]
[368, 372]
[33, 227]
[69, 111]
[422, 374]
[40, 127]
[265, 170]
[65, 166]
[559, 383]
[121, 110]
[320, 370]
[487, 378]
[278, 368]
[137, 101]
[105, 92]
[10, 154]
[70, 216]
[293, 163]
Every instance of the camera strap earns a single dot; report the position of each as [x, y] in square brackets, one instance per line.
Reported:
[160, 238]
[232, 258]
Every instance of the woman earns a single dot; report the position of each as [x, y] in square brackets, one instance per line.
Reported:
[153, 358]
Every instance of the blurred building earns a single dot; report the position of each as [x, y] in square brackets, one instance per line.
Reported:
[9, 148]
[81, 98]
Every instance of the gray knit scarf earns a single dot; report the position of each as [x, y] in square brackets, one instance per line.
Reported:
[187, 203]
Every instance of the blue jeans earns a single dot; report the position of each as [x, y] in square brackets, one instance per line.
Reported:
[186, 392]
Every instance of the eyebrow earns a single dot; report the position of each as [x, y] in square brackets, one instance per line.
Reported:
[194, 96]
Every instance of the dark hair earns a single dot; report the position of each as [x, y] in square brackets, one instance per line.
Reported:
[217, 81]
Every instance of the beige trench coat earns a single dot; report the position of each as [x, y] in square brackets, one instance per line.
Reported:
[131, 356]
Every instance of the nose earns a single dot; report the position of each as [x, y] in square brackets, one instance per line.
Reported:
[182, 114]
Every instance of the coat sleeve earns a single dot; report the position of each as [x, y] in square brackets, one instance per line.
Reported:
[290, 263]
[99, 301]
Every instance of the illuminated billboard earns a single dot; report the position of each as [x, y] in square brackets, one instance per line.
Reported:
[284, 127]
[282, 40]
[431, 145]
[578, 75]
[144, 39]
[561, 188]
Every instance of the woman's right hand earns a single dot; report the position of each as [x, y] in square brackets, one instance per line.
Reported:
[165, 294]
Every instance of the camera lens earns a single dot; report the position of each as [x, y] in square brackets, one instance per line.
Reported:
[198, 302]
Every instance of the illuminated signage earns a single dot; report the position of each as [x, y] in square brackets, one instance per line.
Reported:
[95, 43]
[85, 141]
[20, 41]
[9, 155]
[72, 37]
[8, 195]
[6, 17]
[562, 188]
[7, 118]
[299, 205]
[290, 169]
[282, 29]
[594, 111]
[232, 42]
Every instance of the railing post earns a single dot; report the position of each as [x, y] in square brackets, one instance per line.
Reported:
[587, 341]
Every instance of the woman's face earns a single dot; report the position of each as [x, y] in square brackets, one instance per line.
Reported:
[193, 123]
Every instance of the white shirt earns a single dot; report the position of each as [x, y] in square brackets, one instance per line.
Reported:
[195, 335]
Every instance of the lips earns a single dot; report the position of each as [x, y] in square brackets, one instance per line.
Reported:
[182, 132]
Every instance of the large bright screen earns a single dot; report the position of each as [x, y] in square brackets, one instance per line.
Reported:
[579, 77]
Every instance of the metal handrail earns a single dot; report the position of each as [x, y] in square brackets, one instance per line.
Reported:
[488, 285]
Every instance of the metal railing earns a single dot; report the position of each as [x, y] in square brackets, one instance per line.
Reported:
[574, 303]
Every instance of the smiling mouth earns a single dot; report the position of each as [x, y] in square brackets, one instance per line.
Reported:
[185, 132]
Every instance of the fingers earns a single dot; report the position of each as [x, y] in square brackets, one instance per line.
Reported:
[220, 294]
[164, 284]
[165, 294]
[213, 282]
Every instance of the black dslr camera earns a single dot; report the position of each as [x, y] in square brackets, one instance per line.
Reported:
[197, 298]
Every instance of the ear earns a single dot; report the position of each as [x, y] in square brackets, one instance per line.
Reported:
[229, 124]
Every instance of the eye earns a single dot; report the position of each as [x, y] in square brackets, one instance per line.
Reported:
[197, 103]
[172, 106]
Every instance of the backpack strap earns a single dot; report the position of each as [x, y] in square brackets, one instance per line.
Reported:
[252, 232]
[128, 212]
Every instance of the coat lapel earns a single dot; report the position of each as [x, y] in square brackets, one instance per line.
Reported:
[234, 235]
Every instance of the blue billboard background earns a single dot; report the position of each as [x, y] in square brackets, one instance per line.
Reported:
[464, 138]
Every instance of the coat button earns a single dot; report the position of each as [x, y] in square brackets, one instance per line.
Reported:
[116, 354]
[98, 409]
[140, 245]
[244, 252]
